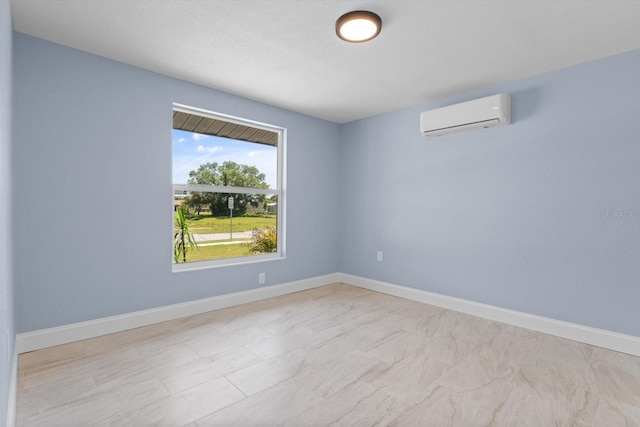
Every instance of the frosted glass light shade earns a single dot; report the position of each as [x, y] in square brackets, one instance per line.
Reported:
[358, 26]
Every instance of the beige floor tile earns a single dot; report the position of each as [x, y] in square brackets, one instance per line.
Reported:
[377, 324]
[73, 368]
[100, 404]
[542, 392]
[37, 399]
[421, 318]
[334, 355]
[124, 339]
[331, 375]
[211, 344]
[565, 352]
[275, 345]
[594, 408]
[144, 368]
[611, 391]
[188, 375]
[52, 356]
[408, 379]
[397, 345]
[182, 408]
[260, 376]
[327, 312]
[443, 406]
[500, 359]
[357, 404]
[271, 407]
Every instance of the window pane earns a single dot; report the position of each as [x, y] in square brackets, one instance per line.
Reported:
[217, 236]
[205, 159]
[210, 154]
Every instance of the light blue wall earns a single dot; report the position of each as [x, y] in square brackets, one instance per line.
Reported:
[517, 217]
[93, 189]
[6, 279]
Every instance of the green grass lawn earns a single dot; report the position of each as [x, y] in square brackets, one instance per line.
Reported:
[206, 224]
[216, 252]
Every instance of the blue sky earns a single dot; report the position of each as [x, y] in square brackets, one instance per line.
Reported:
[190, 150]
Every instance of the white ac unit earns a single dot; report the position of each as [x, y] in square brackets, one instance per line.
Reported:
[488, 112]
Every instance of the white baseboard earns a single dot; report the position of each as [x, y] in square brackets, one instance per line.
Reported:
[601, 338]
[13, 391]
[36, 340]
[44, 338]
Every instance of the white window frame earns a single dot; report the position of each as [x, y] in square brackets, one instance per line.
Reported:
[280, 192]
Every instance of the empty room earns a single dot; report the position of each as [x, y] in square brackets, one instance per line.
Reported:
[313, 213]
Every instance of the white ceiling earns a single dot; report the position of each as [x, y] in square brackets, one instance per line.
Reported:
[286, 53]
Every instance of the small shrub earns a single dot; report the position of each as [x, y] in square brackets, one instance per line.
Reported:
[263, 240]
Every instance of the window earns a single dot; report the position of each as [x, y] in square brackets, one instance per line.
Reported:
[228, 202]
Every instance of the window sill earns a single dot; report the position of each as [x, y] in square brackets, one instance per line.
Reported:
[225, 262]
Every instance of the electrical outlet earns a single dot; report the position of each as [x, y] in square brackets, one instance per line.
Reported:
[261, 278]
[379, 256]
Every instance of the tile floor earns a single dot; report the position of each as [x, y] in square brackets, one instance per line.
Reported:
[336, 355]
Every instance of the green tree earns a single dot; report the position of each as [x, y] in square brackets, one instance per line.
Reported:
[182, 239]
[226, 174]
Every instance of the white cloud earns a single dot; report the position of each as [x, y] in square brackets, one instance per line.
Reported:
[181, 140]
[198, 136]
[209, 149]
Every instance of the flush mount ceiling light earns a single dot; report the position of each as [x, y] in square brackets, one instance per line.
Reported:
[358, 26]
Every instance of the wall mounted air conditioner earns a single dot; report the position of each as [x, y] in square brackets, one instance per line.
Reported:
[488, 112]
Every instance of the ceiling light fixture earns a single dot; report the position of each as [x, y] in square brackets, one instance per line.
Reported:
[358, 26]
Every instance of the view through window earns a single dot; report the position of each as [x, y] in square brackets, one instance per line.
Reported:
[227, 184]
